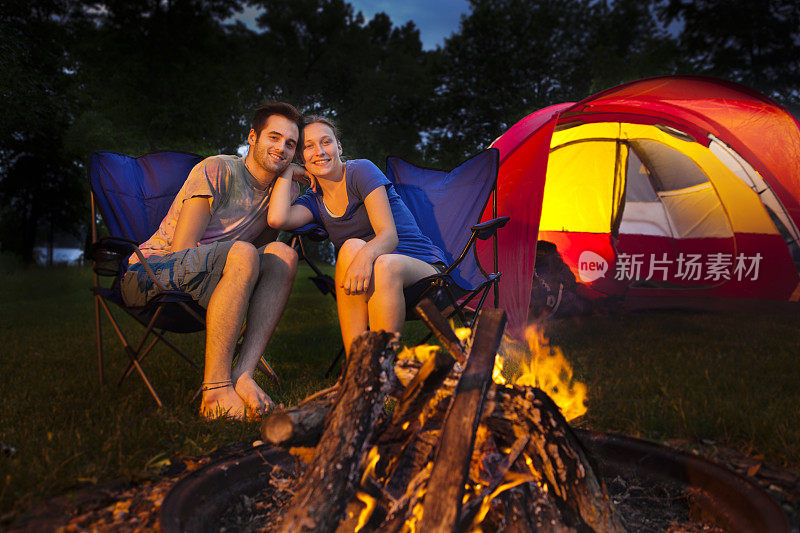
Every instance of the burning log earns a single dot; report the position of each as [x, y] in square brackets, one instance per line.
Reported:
[458, 452]
[442, 503]
[429, 314]
[405, 419]
[556, 456]
[330, 479]
[300, 425]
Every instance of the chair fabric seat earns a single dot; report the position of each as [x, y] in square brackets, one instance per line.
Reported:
[432, 287]
[173, 316]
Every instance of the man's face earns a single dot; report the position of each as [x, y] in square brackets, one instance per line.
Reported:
[273, 147]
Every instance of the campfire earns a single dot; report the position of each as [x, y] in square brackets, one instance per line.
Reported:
[458, 439]
[539, 364]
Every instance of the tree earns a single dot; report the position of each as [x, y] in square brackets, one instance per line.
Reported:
[512, 57]
[372, 77]
[509, 58]
[754, 43]
[630, 43]
[40, 182]
[165, 74]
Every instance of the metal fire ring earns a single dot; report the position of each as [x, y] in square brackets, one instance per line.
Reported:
[197, 501]
[718, 494]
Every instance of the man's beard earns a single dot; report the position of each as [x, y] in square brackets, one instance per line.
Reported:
[268, 164]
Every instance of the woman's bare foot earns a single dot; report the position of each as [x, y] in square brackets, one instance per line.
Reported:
[223, 402]
[256, 400]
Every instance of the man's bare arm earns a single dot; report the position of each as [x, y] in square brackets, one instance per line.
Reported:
[192, 223]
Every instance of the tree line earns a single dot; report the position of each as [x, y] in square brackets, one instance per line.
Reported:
[133, 77]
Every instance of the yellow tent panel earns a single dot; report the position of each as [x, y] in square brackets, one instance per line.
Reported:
[579, 187]
[585, 171]
[741, 204]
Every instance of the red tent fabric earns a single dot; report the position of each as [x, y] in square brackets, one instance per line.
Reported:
[519, 196]
[759, 129]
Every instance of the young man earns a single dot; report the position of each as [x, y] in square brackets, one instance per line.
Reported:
[207, 246]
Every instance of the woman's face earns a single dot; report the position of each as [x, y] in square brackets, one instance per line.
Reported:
[321, 150]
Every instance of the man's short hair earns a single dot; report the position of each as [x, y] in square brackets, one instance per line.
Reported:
[262, 114]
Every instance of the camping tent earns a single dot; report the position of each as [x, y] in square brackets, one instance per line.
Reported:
[672, 187]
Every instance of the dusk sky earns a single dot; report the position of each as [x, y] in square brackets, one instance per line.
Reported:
[435, 20]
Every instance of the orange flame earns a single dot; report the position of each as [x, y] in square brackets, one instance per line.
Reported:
[369, 502]
[541, 365]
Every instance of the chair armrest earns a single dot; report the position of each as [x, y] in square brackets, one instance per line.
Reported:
[313, 231]
[482, 231]
[109, 253]
[114, 244]
[487, 229]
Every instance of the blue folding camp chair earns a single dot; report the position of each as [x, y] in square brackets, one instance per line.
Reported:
[133, 195]
[448, 207]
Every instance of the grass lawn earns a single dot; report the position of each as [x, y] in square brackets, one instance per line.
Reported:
[731, 378]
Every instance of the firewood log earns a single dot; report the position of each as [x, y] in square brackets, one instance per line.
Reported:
[556, 454]
[443, 499]
[329, 482]
[300, 425]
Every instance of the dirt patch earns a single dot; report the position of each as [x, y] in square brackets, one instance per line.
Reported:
[122, 506]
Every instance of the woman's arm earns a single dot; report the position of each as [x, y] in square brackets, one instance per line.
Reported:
[282, 214]
[358, 275]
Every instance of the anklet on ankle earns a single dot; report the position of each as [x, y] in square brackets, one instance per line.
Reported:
[211, 385]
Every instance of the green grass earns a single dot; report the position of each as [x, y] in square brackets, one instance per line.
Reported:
[69, 432]
[732, 378]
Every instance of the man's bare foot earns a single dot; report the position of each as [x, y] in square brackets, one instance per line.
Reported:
[223, 402]
[256, 400]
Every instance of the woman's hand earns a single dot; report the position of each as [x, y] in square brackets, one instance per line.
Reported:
[359, 273]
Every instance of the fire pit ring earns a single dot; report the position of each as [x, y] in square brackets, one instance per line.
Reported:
[198, 500]
[718, 495]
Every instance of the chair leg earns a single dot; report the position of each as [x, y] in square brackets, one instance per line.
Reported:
[146, 381]
[160, 337]
[99, 338]
[333, 364]
[264, 366]
[177, 350]
[137, 355]
[457, 309]
[131, 353]
[141, 357]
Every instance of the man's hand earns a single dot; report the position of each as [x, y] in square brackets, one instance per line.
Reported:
[299, 174]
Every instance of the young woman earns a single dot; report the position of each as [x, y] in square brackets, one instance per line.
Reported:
[380, 247]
